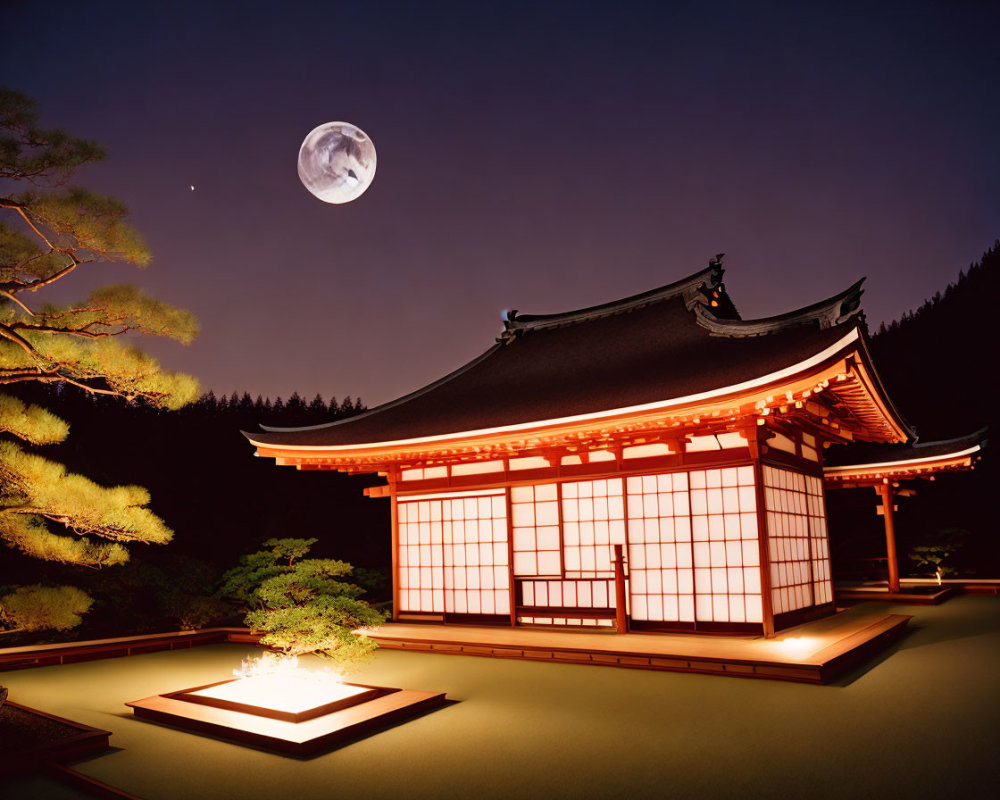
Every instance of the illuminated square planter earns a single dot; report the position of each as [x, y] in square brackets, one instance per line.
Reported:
[260, 712]
[269, 696]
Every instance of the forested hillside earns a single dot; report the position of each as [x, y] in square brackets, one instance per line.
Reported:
[939, 365]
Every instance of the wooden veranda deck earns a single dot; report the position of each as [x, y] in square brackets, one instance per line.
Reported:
[814, 652]
[915, 591]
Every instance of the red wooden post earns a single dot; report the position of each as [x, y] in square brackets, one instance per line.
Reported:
[395, 558]
[621, 614]
[392, 475]
[511, 585]
[763, 534]
[885, 492]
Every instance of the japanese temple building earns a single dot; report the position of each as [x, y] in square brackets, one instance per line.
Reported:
[654, 463]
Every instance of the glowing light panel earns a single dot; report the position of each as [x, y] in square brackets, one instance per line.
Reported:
[453, 554]
[797, 540]
[283, 692]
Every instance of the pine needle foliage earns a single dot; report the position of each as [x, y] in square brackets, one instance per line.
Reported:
[49, 230]
[33, 488]
[47, 235]
[33, 608]
[240, 584]
[931, 556]
[304, 605]
[30, 422]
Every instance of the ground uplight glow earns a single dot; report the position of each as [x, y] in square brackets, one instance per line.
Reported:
[278, 683]
[292, 693]
[798, 645]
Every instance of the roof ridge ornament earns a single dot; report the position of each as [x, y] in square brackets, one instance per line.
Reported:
[825, 314]
[695, 288]
[713, 293]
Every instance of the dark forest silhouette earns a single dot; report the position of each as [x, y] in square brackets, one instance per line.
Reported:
[936, 361]
[219, 499]
[938, 364]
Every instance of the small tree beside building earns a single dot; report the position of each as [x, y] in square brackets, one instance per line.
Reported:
[303, 605]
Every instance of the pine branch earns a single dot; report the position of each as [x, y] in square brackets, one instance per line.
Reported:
[20, 341]
[13, 299]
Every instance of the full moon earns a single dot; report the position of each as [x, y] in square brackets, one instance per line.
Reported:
[337, 162]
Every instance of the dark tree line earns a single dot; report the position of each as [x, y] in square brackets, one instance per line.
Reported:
[292, 412]
[938, 361]
[938, 365]
[218, 498]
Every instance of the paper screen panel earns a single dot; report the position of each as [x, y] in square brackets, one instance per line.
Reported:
[421, 556]
[726, 552]
[535, 527]
[661, 569]
[789, 546]
[593, 514]
[819, 540]
[453, 555]
[568, 594]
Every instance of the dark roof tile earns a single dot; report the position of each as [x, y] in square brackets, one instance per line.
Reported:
[863, 453]
[645, 349]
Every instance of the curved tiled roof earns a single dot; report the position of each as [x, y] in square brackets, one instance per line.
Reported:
[870, 454]
[647, 348]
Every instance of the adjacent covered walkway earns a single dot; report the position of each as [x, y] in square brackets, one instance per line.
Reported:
[884, 467]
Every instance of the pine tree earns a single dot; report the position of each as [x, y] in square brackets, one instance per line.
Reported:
[303, 605]
[318, 406]
[48, 232]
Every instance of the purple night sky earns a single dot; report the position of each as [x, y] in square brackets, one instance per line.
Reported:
[540, 156]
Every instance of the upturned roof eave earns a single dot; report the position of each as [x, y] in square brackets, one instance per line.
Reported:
[684, 287]
[828, 313]
[919, 453]
[842, 348]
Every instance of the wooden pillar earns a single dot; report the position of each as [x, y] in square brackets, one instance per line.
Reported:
[763, 534]
[884, 490]
[621, 612]
[512, 586]
[392, 474]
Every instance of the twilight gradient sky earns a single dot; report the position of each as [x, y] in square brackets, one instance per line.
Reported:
[541, 156]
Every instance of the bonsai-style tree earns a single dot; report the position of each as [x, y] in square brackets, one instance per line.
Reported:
[48, 232]
[932, 556]
[303, 605]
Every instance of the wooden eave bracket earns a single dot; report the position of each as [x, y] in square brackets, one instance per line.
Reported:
[835, 399]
